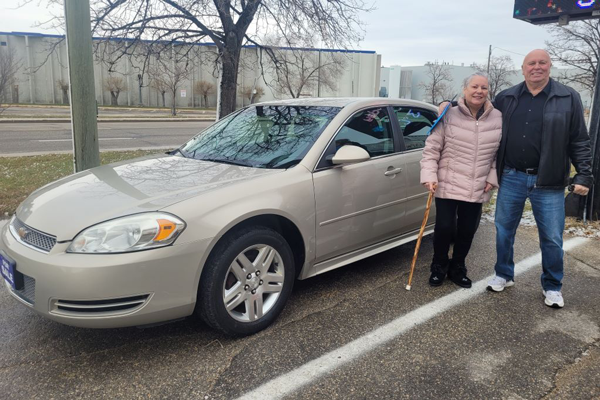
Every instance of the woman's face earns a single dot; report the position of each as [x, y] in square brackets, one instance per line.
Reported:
[476, 92]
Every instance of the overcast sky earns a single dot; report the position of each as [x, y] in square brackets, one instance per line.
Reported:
[404, 32]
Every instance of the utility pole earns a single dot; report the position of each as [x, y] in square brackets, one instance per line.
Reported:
[489, 59]
[86, 153]
[593, 198]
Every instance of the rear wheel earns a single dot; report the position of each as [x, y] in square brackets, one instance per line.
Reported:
[246, 281]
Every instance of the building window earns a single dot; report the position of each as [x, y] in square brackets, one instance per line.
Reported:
[2, 43]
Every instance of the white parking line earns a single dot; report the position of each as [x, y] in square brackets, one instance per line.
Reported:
[315, 369]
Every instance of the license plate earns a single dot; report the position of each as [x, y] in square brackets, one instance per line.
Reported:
[7, 268]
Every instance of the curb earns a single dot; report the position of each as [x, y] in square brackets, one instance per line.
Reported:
[42, 153]
[64, 120]
[112, 108]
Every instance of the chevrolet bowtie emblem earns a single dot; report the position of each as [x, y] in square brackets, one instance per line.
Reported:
[22, 232]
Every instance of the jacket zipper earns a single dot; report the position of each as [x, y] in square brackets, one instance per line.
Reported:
[476, 156]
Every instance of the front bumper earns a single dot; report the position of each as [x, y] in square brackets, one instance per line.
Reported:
[108, 290]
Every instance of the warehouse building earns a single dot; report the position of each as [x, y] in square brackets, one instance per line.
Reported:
[43, 75]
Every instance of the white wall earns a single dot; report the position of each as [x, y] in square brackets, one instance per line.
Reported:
[459, 73]
[42, 67]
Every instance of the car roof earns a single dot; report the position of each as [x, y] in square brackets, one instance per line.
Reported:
[356, 102]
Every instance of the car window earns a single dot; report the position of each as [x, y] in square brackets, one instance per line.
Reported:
[370, 129]
[262, 136]
[415, 124]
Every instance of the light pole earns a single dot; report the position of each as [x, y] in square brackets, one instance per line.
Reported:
[489, 59]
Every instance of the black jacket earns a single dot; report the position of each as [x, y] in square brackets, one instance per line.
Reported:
[565, 139]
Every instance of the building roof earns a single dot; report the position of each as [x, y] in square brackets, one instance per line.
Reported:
[44, 35]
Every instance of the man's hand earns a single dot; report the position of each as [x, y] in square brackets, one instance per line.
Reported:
[431, 186]
[488, 187]
[580, 190]
[442, 106]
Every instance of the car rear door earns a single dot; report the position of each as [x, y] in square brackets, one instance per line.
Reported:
[414, 123]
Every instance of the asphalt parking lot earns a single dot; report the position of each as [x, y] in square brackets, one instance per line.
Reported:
[353, 333]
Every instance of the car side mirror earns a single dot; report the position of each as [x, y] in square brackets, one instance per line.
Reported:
[349, 154]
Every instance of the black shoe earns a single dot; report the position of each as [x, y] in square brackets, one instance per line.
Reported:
[438, 274]
[458, 275]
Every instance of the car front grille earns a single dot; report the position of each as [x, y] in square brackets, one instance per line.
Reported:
[99, 307]
[32, 237]
[27, 293]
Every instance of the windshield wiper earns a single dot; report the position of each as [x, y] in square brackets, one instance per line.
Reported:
[286, 165]
[177, 151]
[222, 161]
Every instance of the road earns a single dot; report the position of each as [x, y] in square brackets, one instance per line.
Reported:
[352, 333]
[21, 138]
[62, 111]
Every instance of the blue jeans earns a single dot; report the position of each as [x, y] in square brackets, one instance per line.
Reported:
[549, 212]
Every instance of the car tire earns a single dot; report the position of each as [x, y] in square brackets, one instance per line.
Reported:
[232, 297]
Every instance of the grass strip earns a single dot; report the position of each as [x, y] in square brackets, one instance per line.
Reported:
[19, 176]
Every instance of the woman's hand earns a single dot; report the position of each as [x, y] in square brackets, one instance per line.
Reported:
[442, 106]
[431, 186]
[488, 187]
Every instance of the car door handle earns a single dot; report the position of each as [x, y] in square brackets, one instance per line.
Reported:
[391, 172]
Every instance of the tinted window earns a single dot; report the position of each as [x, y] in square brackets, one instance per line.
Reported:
[370, 129]
[262, 136]
[415, 124]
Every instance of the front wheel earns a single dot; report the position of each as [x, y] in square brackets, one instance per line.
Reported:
[246, 281]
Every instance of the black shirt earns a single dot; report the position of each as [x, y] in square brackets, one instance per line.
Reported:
[524, 137]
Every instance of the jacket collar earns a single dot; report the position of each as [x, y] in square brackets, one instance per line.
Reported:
[487, 107]
[556, 89]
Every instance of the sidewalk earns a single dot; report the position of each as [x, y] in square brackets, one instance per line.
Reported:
[33, 113]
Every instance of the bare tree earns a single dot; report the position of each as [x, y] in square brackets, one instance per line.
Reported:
[160, 85]
[501, 70]
[227, 23]
[439, 86]
[9, 66]
[299, 69]
[577, 45]
[204, 89]
[63, 85]
[167, 75]
[253, 93]
[115, 85]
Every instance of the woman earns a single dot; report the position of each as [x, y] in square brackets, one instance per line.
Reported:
[459, 166]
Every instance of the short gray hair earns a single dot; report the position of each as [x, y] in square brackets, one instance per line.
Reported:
[470, 77]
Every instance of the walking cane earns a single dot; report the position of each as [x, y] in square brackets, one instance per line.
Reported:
[418, 246]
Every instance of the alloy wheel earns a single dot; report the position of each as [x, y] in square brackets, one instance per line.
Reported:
[253, 283]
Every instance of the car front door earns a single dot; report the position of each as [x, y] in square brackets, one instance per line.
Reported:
[359, 204]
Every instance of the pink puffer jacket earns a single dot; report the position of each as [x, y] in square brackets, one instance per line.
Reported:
[460, 154]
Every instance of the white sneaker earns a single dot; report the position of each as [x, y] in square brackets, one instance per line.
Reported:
[497, 284]
[554, 299]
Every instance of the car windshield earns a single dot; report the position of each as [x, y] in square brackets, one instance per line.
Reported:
[261, 136]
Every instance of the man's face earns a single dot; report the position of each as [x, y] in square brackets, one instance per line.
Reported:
[536, 67]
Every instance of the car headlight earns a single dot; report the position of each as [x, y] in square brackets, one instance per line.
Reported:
[131, 233]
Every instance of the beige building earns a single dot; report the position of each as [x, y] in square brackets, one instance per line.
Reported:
[44, 67]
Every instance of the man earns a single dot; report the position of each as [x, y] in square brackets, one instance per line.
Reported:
[543, 132]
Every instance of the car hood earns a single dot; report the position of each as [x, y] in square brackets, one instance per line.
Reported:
[65, 207]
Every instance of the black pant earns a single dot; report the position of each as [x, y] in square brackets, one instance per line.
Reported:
[446, 224]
